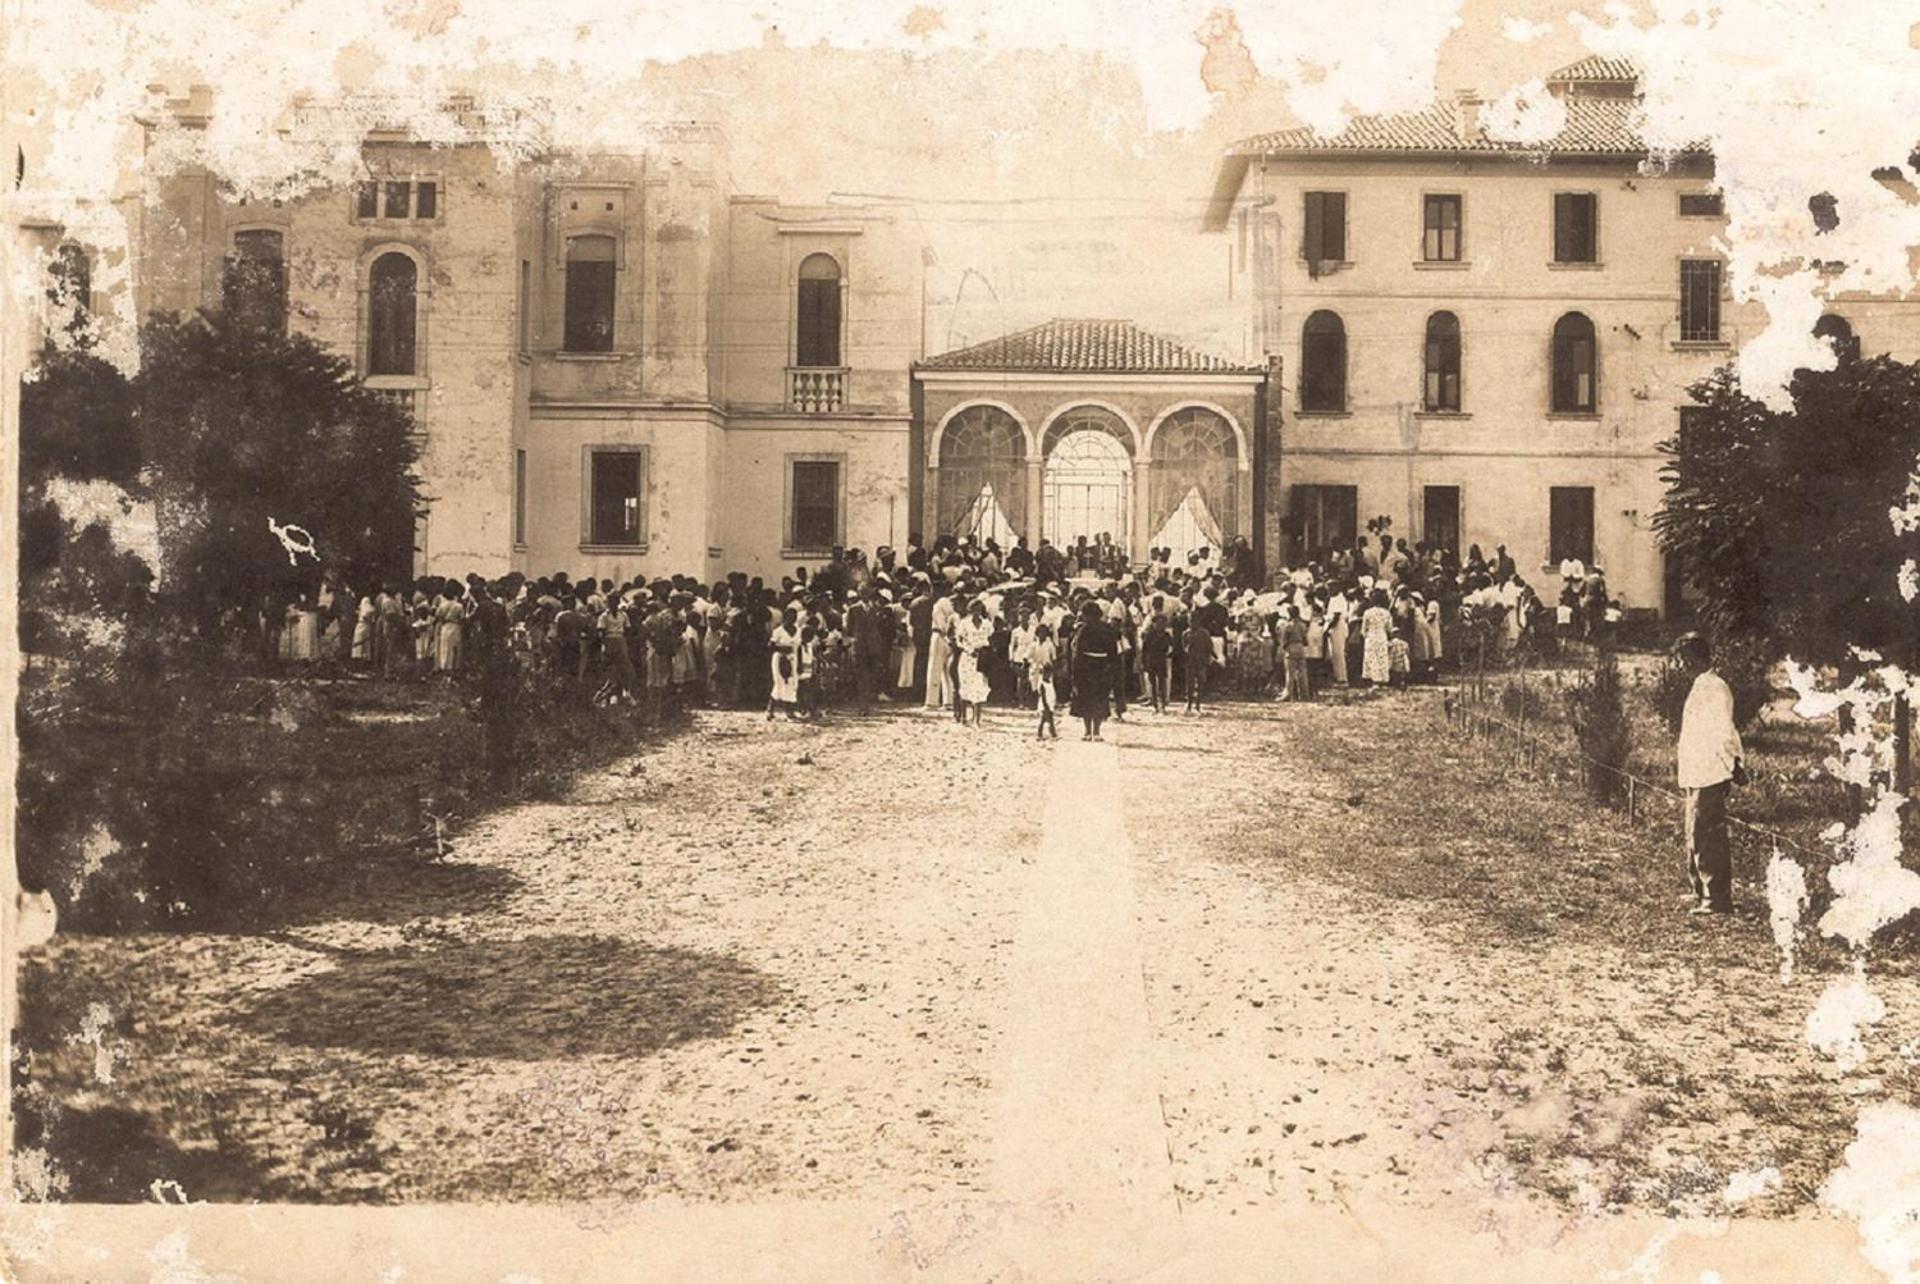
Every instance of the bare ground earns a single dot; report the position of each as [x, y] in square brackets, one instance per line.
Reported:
[1327, 958]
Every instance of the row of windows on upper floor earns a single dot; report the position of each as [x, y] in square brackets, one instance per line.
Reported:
[1326, 243]
[254, 290]
[1573, 380]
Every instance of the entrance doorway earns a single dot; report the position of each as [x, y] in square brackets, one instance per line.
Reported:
[1088, 488]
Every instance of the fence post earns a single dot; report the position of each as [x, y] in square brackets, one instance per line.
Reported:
[1630, 807]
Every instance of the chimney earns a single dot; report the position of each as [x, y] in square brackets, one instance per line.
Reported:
[1466, 109]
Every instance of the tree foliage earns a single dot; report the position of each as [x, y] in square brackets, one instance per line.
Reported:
[1781, 518]
[225, 427]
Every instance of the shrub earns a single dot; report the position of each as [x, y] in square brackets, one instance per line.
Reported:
[1597, 707]
[1524, 702]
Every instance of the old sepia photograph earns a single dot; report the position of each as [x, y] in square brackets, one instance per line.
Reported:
[974, 642]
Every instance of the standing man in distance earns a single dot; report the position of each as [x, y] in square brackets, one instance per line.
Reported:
[1709, 764]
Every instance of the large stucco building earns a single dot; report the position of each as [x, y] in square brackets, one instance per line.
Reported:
[1485, 341]
[617, 364]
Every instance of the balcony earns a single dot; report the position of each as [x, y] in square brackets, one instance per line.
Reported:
[816, 390]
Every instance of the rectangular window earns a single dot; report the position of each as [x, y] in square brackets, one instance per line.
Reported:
[614, 504]
[519, 497]
[1440, 518]
[591, 277]
[1701, 205]
[1326, 228]
[1325, 518]
[524, 301]
[1570, 518]
[397, 199]
[1441, 241]
[813, 519]
[1700, 300]
[1576, 222]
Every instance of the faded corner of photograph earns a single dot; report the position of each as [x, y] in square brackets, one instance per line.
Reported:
[955, 645]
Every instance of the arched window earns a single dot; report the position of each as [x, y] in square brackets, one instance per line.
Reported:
[1323, 364]
[1575, 385]
[819, 336]
[70, 286]
[590, 293]
[983, 475]
[392, 313]
[254, 289]
[1193, 482]
[1837, 331]
[1443, 362]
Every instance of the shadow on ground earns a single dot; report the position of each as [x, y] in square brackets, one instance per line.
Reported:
[112, 1155]
[384, 888]
[532, 999]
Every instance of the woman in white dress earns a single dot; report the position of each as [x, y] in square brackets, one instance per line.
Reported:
[971, 635]
[785, 644]
[1376, 628]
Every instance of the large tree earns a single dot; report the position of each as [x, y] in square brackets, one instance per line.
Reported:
[226, 427]
[1781, 518]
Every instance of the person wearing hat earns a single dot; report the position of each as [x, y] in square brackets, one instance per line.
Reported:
[1709, 762]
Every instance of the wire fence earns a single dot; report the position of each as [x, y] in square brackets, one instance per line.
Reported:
[1478, 710]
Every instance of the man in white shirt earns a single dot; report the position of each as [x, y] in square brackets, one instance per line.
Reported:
[1709, 764]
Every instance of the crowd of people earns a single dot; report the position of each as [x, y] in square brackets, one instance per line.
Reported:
[959, 624]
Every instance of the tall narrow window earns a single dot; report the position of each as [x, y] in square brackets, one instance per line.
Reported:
[254, 290]
[1323, 364]
[1441, 241]
[1440, 518]
[397, 200]
[813, 519]
[1442, 390]
[519, 497]
[819, 336]
[1576, 222]
[392, 313]
[523, 301]
[1574, 383]
[1700, 300]
[614, 514]
[426, 199]
[1837, 331]
[1325, 225]
[590, 280]
[366, 200]
[1570, 524]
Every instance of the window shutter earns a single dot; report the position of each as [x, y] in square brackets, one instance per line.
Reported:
[1336, 227]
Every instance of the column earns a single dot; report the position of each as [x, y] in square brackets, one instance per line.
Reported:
[930, 528]
[1142, 471]
[1035, 496]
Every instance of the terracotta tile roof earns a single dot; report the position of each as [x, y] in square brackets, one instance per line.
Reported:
[1597, 67]
[1594, 127]
[1068, 346]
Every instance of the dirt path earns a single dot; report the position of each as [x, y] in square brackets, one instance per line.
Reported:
[1216, 968]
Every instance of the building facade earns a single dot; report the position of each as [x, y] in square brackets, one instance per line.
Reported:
[617, 365]
[1486, 342]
